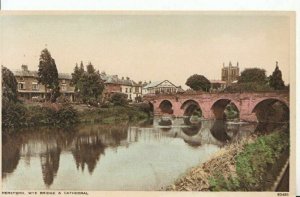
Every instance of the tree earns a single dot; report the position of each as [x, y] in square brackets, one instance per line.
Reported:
[48, 75]
[76, 75]
[256, 75]
[9, 87]
[275, 80]
[88, 83]
[198, 82]
[13, 112]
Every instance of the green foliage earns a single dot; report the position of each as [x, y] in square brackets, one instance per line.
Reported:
[13, 115]
[275, 80]
[251, 75]
[48, 74]
[88, 84]
[218, 182]
[9, 87]
[76, 75]
[17, 115]
[198, 82]
[144, 107]
[248, 87]
[253, 164]
[66, 116]
[112, 114]
[119, 98]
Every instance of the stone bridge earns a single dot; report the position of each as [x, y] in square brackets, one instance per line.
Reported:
[212, 105]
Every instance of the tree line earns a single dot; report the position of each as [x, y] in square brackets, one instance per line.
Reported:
[251, 79]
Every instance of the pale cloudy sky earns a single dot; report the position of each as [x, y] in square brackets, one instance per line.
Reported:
[153, 46]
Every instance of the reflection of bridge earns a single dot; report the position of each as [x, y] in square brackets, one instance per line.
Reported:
[213, 105]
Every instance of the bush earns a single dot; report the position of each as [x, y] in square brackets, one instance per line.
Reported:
[16, 115]
[119, 99]
[66, 116]
[144, 107]
[13, 115]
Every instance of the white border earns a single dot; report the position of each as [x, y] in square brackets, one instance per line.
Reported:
[255, 5]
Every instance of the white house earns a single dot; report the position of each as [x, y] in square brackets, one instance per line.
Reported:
[158, 87]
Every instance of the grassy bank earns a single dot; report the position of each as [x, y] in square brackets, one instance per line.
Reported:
[18, 115]
[113, 114]
[250, 165]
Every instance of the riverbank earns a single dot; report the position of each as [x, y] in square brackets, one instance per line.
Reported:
[21, 115]
[111, 115]
[252, 164]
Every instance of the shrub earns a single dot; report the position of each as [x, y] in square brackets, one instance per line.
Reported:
[66, 116]
[119, 99]
[144, 107]
[13, 115]
[16, 115]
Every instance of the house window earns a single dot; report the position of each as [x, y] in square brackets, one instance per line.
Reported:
[130, 89]
[63, 81]
[126, 90]
[21, 86]
[35, 86]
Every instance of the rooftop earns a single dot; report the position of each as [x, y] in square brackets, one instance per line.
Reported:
[24, 72]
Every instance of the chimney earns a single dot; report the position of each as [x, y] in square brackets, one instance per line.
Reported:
[24, 68]
[127, 78]
[237, 64]
[122, 78]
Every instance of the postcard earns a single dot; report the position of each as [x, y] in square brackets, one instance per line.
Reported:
[148, 103]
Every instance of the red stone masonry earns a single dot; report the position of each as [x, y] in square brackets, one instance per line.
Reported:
[245, 102]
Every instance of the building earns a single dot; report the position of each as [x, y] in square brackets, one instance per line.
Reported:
[159, 87]
[29, 88]
[230, 73]
[126, 85]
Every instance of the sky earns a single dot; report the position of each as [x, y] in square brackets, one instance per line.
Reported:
[145, 46]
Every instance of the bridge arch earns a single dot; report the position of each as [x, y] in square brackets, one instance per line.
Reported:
[166, 106]
[191, 107]
[271, 109]
[218, 107]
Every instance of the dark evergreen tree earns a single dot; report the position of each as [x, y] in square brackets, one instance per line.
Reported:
[275, 80]
[48, 75]
[76, 75]
[198, 82]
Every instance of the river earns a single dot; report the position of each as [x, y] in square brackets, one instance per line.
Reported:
[143, 156]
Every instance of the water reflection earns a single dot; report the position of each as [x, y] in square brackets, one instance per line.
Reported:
[87, 151]
[50, 164]
[10, 155]
[219, 131]
[96, 148]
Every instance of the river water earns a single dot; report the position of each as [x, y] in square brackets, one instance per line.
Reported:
[143, 156]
